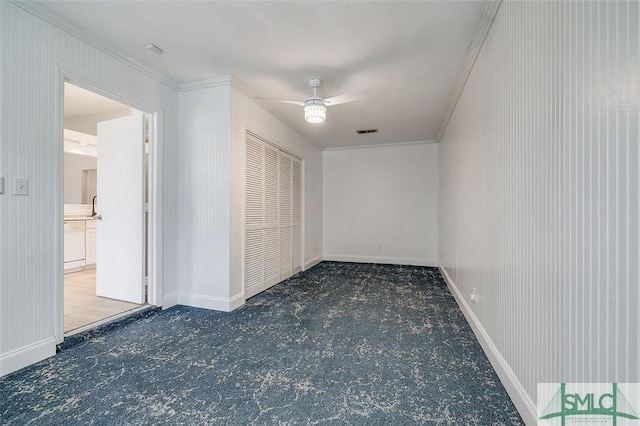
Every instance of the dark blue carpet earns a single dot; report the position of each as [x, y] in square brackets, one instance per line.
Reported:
[341, 343]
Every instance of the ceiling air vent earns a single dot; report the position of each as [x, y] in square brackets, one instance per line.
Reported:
[367, 131]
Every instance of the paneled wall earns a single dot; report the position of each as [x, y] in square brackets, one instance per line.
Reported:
[34, 54]
[539, 195]
[203, 207]
[381, 204]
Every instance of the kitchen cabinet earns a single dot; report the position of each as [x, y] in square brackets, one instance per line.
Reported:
[91, 235]
[80, 237]
[74, 244]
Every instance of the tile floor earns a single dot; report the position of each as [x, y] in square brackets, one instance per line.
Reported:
[82, 306]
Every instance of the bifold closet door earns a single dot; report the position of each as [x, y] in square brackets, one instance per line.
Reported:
[271, 214]
[296, 216]
[286, 262]
[254, 218]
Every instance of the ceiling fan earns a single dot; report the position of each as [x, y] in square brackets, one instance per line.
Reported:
[315, 108]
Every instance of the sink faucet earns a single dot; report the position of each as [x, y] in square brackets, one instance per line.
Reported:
[93, 206]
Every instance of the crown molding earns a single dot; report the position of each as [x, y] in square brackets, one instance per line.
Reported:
[226, 80]
[488, 16]
[382, 145]
[40, 11]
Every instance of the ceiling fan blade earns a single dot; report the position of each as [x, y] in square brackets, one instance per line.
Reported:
[280, 100]
[349, 97]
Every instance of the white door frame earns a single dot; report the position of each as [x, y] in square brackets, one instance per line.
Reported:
[154, 247]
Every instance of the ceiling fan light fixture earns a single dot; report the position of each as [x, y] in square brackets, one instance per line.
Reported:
[315, 107]
[315, 111]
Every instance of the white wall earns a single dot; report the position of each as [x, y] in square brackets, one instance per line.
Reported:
[203, 198]
[74, 164]
[539, 195]
[381, 204]
[34, 55]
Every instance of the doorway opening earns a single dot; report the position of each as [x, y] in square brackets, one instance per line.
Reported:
[105, 198]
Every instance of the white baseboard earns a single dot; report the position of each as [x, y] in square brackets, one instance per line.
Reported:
[313, 262]
[30, 354]
[210, 302]
[169, 300]
[236, 301]
[381, 259]
[524, 404]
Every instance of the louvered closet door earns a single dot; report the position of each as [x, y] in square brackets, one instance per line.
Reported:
[273, 221]
[296, 216]
[284, 161]
[271, 213]
[254, 218]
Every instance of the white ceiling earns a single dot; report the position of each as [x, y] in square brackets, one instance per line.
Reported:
[407, 54]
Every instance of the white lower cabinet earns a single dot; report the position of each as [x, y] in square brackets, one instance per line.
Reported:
[74, 250]
[90, 240]
[80, 237]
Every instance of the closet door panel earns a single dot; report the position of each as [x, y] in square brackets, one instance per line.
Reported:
[285, 252]
[285, 200]
[254, 262]
[254, 213]
[271, 213]
[254, 173]
[296, 216]
[271, 257]
[296, 252]
[296, 193]
[284, 161]
[271, 202]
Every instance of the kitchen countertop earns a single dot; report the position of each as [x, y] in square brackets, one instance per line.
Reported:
[71, 217]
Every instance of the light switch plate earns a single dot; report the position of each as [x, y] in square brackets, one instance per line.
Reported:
[21, 187]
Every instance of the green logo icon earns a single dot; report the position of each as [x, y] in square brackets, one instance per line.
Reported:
[588, 403]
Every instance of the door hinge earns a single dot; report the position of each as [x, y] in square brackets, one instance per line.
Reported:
[146, 281]
[146, 207]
